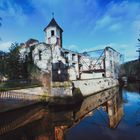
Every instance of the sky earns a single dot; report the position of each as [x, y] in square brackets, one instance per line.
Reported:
[87, 24]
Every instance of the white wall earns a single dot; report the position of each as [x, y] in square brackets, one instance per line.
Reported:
[112, 63]
[91, 75]
[53, 39]
[45, 57]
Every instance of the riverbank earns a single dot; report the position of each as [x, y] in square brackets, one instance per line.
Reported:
[17, 85]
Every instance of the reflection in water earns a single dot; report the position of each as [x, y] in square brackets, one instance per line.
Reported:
[133, 87]
[115, 110]
[101, 110]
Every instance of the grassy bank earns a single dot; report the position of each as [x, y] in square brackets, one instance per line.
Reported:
[13, 85]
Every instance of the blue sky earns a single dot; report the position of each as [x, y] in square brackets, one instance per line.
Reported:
[87, 24]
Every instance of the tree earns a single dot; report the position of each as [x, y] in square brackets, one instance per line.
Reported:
[13, 62]
[17, 68]
[3, 66]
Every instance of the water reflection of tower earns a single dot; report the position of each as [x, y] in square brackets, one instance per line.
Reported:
[115, 110]
[139, 88]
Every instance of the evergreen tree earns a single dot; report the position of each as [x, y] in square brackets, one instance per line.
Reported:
[3, 66]
[13, 62]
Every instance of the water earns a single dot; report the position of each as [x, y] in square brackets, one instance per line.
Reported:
[111, 115]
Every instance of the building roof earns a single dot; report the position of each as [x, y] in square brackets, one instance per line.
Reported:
[53, 23]
[31, 41]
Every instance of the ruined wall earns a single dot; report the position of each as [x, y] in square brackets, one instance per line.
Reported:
[42, 56]
[112, 63]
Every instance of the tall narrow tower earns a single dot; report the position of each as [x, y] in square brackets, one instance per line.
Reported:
[53, 33]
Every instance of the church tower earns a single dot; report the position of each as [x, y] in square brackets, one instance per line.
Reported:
[53, 33]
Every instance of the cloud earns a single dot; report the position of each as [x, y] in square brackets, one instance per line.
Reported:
[136, 24]
[119, 15]
[46, 7]
[127, 50]
[73, 12]
[104, 21]
[115, 27]
[72, 47]
[12, 11]
[119, 22]
[117, 47]
[4, 46]
[123, 9]
[97, 47]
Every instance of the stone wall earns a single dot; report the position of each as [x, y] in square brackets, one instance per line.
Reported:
[84, 87]
[61, 89]
[91, 86]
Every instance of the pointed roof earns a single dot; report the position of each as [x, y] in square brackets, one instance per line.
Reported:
[53, 23]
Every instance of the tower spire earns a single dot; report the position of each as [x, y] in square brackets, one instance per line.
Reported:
[53, 33]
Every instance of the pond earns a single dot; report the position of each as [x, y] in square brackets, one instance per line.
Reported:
[113, 114]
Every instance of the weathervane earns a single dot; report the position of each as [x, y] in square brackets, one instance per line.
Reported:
[52, 14]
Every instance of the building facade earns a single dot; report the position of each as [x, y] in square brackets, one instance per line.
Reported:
[68, 65]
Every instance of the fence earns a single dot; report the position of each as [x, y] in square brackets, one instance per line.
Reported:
[18, 96]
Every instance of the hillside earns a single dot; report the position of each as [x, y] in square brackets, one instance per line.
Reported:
[131, 70]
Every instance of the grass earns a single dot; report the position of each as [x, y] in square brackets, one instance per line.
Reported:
[13, 85]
